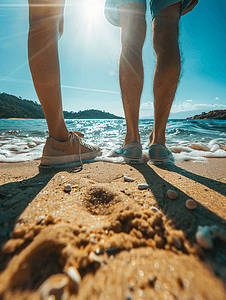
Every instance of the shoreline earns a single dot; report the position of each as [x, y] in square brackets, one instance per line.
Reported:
[97, 204]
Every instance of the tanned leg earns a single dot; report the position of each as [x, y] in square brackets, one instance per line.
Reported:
[133, 24]
[46, 19]
[167, 70]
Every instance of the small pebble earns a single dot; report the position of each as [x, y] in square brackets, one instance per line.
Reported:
[191, 204]
[74, 275]
[143, 186]
[171, 194]
[155, 209]
[205, 236]
[40, 219]
[177, 242]
[92, 241]
[129, 179]
[67, 188]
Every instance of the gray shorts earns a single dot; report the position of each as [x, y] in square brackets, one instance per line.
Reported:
[111, 7]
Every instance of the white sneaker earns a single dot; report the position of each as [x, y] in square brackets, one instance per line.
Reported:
[72, 150]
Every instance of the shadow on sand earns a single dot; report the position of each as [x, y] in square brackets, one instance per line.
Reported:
[16, 196]
[185, 219]
[26, 190]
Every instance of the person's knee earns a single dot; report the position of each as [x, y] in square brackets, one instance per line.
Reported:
[165, 37]
[165, 28]
[133, 28]
[133, 43]
[46, 13]
[165, 41]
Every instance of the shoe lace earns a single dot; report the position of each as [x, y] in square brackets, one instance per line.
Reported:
[78, 136]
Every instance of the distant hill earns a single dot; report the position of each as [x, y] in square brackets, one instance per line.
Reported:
[214, 114]
[14, 107]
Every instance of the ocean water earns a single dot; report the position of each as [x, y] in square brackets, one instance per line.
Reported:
[189, 140]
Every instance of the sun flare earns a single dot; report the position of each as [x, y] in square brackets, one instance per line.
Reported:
[92, 11]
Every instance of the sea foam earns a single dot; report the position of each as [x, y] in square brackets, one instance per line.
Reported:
[188, 140]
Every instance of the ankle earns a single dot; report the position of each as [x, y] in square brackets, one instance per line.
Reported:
[130, 139]
[59, 136]
[157, 139]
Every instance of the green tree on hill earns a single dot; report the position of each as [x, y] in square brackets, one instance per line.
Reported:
[16, 107]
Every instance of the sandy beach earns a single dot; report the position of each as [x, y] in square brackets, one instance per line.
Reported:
[103, 239]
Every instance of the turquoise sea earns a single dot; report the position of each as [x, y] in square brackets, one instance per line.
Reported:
[193, 140]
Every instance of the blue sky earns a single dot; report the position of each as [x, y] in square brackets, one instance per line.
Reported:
[89, 53]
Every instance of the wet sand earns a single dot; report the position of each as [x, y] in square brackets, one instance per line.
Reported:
[102, 240]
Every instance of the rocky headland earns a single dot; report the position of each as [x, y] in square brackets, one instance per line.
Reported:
[214, 114]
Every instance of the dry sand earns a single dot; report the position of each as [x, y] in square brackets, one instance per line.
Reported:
[102, 240]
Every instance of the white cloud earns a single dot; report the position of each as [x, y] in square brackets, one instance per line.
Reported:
[147, 105]
[188, 106]
[185, 106]
[216, 98]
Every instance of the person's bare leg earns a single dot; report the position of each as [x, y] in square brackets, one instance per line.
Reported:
[45, 29]
[167, 70]
[133, 24]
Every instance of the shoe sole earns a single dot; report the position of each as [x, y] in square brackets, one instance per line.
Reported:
[130, 160]
[158, 161]
[69, 159]
[63, 166]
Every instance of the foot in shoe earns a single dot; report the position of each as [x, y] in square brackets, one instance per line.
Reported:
[159, 153]
[72, 150]
[130, 151]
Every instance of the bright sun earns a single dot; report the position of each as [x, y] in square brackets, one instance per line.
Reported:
[92, 10]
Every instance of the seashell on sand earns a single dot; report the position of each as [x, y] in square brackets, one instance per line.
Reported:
[53, 286]
[74, 275]
[191, 204]
[172, 194]
[205, 236]
[129, 179]
[143, 186]
[155, 209]
[67, 188]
